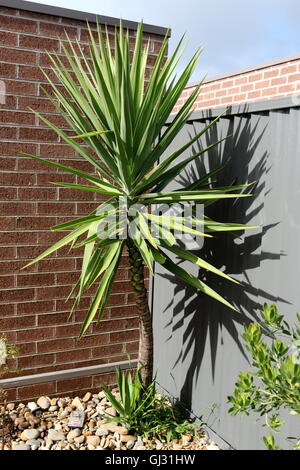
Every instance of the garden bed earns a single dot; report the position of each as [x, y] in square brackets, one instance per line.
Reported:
[47, 425]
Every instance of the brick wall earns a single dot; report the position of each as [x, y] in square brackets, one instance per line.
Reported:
[273, 80]
[33, 313]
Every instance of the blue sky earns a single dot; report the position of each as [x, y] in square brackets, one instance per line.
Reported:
[235, 33]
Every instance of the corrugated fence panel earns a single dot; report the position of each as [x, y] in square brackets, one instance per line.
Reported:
[198, 349]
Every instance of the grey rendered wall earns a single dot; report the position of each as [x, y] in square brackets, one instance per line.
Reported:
[198, 349]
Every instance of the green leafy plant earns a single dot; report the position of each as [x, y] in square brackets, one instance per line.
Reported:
[275, 383]
[145, 412]
[120, 119]
[135, 399]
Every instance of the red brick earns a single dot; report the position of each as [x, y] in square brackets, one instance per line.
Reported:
[105, 351]
[19, 87]
[34, 133]
[132, 347]
[9, 133]
[7, 223]
[36, 390]
[35, 307]
[55, 345]
[255, 77]
[286, 88]
[52, 292]
[55, 208]
[109, 325]
[241, 80]
[8, 193]
[16, 323]
[29, 252]
[10, 102]
[69, 194]
[269, 92]
[54, 319]
[271, 73]
[6, 282]
[247, 87]
[123, 311]
[116, 299]
[37, 104]
[288, 69]
[17, 56]
[27, 280]
[78, 383]
[122, 336]
[58, 150]
[59, 31]
[34, 223]
[8, 70]
[13, 238]
[56, 264]
[18, 24]
[239, 98]
[69, 330]
[31, 72]
[254, 95]
[50, 237]
[26, 348]
[95, 340]
[38, 194]
[14, 148]
[36, 42]
[227, 84]
[278, 81]
[28, 164]
[263, 84]
[108, 378]
[73, 356]
[35, 334]
[221, 93]
[36, 360]
[17, 208]
[55, 119]
[84, 208]
[8, 39]
[7, 252]
[294, 78]
[14, 117]
[44, 179]
[67, 278]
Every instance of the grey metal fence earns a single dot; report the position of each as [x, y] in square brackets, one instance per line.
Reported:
[198, 348]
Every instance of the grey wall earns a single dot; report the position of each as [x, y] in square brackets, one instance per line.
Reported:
[198, 346]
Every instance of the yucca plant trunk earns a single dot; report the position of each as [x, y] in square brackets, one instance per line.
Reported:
[145, 358]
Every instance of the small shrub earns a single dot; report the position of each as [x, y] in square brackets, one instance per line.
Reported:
[275, 383]
[6, 423]
[145, 412]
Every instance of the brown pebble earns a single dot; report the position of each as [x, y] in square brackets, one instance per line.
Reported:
[127, 437]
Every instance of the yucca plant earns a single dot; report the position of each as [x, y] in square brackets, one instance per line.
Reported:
[120, 119]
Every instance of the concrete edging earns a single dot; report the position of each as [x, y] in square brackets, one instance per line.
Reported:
[64, 374]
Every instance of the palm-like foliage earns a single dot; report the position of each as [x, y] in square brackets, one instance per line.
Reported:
[122, 125]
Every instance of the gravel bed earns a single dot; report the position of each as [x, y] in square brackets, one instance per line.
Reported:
[45, 425]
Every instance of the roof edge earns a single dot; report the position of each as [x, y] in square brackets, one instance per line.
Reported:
[252, 68]
[81, 15]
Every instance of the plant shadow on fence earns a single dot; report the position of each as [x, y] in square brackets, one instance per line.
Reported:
[237, 254]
